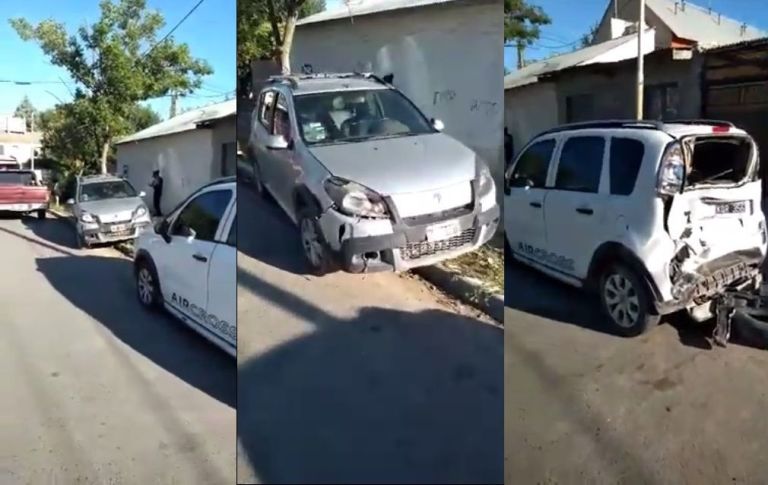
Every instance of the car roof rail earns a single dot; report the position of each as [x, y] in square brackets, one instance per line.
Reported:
[219, 181]
[293, 81]
[638, 124]
[700, 122]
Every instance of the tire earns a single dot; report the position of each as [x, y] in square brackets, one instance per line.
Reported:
[81, 242]
[147, 285]
[626, 301]
[313, 244]
[41, 214]
[256, 183]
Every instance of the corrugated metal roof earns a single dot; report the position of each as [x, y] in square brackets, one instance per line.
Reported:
[357, 8]
[186, 121]
[530, 73]
[699, 24]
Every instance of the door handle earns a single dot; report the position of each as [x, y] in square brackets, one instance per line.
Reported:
[585, 210]
[536, 204]
[200, 257]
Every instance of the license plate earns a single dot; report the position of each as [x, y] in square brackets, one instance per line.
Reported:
[442, 231]
[119, 228]
[731, 208]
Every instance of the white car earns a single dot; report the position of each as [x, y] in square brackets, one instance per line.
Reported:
[657, 217]
[187, 263]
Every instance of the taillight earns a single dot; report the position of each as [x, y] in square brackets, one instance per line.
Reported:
[721, 129]
[671, 170]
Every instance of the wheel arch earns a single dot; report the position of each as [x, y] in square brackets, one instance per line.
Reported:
[303, 198]
[614, 252]
[143, 256]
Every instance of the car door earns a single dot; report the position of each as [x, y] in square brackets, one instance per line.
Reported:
[262, 126]
[222, 280]
[188, 255]
[575, 208]
[285, 163]
[524, 197]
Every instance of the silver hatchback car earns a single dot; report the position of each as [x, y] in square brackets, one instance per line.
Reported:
[371, 182]
[107, 209]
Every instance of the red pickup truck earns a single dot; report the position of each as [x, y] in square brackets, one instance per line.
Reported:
[22, 192]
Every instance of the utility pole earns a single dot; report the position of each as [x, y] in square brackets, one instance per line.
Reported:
[640, 76]
[174, 96]
[32, 130]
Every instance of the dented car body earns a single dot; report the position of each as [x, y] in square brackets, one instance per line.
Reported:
[674, 211]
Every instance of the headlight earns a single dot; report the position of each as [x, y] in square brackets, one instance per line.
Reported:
[140, 211]
[485, 180]
[354, 199]
[86, 217]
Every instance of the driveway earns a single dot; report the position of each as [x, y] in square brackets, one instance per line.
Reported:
[584, 406]
[357, 379]
[95, 389]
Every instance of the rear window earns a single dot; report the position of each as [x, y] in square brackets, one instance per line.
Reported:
[17, 178]
[581, 162]
[720, 160]
[626, 157]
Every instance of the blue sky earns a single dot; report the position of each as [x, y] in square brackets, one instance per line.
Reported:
[209, 31]
[570, 22]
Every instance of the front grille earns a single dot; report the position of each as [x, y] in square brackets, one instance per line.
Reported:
[422, 249]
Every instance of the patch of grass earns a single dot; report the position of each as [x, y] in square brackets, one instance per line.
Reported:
[486, 264]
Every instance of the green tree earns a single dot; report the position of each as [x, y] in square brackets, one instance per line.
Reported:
[26, 110]
[522, 25]
[115, 62]
[265, 30]
[588, 38]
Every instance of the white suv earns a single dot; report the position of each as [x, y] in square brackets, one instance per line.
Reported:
[657, 217]
[187, 264]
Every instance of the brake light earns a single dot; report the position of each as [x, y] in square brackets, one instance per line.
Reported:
[671, 170]
[721, 129]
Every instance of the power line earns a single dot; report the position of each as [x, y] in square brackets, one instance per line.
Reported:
[175, 26]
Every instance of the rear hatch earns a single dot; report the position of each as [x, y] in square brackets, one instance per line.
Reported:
[716, 219]
[20, 187]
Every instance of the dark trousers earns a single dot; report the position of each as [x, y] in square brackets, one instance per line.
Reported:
[156, 202]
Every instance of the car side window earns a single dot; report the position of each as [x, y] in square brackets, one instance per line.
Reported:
[532, 166]
[282, 119]
[267, 109]
[232, 238]
[203, 215]
[626, 158]
[581, 162]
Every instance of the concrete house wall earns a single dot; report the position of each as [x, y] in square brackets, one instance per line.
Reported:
[433, 53]
[529, 110]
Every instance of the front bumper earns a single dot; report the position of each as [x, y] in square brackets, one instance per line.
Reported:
[23, 208]
[104, 233]
[405, 246]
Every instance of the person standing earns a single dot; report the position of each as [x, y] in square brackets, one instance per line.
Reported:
[508, 148]
[157, 191]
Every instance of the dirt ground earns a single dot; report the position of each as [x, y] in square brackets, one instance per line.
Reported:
[585, 406]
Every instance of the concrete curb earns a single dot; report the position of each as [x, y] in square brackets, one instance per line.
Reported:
[122, 248]
[468, 290]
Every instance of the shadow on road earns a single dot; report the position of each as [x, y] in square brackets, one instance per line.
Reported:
[103, 288]
[55, 231]
[388, 396]
[279, 244]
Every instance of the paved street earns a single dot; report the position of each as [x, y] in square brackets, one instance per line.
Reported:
[583, 406]
[94, 389]
[354, 379]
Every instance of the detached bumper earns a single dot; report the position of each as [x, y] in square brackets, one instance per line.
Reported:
[407, 246]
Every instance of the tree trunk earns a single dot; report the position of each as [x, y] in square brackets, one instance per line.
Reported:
[520, 55]
[285, 49]
[104, 154]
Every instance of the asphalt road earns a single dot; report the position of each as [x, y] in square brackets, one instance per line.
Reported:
[94, 389]
[583, 406]
[357, 379]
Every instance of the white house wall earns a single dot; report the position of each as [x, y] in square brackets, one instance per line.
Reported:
[22, 152]
[446, 58]
[185, 161]
[529, 110]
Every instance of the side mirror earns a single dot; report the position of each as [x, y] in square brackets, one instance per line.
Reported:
[190, 234]
[438, 124]
[277, 142]
[142, 194]
[70, 201]
[162, 228]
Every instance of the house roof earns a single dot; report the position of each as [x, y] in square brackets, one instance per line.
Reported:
[701, 24]
[588, 55]
[29, 137]
[358, 8]
[186, 121]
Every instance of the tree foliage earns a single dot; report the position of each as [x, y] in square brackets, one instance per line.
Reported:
[265, 29]
[523, 21]
[588, 38]
[26, 110]
[115, 62]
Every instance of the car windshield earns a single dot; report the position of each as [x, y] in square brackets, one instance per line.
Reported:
[352, 116]
[113, 189]
[17, 178]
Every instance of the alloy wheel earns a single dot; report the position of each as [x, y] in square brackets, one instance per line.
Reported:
[621, 300]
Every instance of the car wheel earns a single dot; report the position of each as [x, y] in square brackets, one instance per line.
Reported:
[41, 214]
[626, 301]
[81, 242]
[313, 245]
[147, 285]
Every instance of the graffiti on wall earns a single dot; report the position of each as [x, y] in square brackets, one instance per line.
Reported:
[444, 96]
[484, 107]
